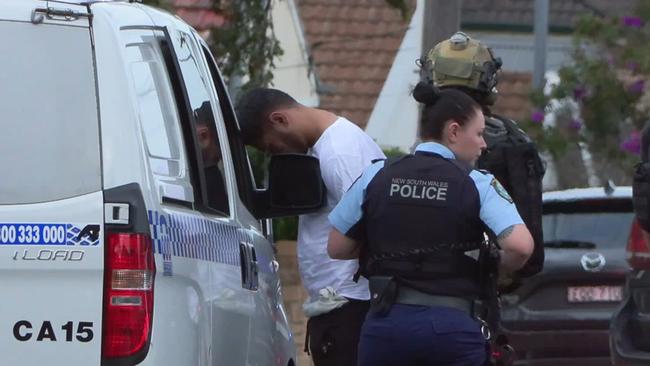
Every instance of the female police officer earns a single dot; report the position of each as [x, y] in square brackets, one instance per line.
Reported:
[416, 221]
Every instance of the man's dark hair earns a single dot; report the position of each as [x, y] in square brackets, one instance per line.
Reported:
[254, 107]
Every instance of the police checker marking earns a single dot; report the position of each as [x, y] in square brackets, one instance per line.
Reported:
[48, 234]
[594, 293]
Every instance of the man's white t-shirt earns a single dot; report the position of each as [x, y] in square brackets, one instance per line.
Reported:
[344, 151]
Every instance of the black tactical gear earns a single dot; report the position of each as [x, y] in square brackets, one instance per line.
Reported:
[641, 184]
[463, 62]
[514, 160]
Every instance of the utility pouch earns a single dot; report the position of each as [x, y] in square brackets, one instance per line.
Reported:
[489, 259]
[383, 292]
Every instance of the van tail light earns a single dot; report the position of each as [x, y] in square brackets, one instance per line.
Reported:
[638, 252]
[129, 274]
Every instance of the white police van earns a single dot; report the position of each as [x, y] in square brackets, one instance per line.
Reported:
[131, 230]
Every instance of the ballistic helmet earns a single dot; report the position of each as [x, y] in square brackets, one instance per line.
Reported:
[461, 61]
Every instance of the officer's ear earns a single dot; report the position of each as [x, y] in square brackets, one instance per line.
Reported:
[453, 130]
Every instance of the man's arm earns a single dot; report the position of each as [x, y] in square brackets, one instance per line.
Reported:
[340, 246]
[516, 247]
[339, 172]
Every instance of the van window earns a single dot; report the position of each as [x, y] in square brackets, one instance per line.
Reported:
[156, 108]
[157, 118]
[49, 139]
[195, 102]
[241, 161]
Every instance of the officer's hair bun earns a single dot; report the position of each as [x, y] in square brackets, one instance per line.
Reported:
[426, 93]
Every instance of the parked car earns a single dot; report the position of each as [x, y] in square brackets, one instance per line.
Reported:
[630, 326]
[131, 231]
[561, 315]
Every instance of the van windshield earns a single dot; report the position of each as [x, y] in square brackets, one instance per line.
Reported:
[49, 139]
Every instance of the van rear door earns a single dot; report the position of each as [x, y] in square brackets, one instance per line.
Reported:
[51, 201]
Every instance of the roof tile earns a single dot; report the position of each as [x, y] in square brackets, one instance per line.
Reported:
[513, 101]
[201, 19]
[353, 44]
[204, 4]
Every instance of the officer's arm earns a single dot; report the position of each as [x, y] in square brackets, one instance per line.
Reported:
[340, 246]
[500, 215]
[516, 247]
[347, 218]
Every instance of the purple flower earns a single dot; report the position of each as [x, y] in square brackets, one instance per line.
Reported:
[632, 144]
[575, 124]
[632, 66]
[580, 93]
[637, 87]
[537, 116]
[633, 22]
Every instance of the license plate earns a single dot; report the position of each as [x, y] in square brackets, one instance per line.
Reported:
[594, 293]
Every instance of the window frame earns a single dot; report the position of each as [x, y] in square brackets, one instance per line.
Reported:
[188, 122]
[167, 185]
[241, 162]
[167, 125]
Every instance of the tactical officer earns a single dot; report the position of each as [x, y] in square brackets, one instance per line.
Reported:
[641, 185]
[465, 64]
[415, 222]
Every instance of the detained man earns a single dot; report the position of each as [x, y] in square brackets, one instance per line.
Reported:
[274, 122]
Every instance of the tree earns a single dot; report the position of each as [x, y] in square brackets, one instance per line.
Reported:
[601, 101]
[245, 47]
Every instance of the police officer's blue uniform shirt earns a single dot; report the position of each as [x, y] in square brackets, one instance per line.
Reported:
[498, 211]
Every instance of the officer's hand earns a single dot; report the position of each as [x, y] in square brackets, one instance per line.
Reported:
[507, 282]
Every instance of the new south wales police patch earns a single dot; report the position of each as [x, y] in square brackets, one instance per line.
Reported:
[500, 190]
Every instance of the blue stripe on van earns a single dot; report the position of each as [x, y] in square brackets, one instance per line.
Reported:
[176, 235]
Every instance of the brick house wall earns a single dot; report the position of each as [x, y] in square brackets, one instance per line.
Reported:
[294, 295]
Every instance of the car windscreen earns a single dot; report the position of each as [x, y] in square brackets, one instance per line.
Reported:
[49, 144]
[587, 230]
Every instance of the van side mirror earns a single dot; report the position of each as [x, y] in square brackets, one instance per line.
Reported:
[295, 187]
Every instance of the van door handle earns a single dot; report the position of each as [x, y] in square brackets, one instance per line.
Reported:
[275, 266]
[249, 266]
[254, 268]
[244, 263]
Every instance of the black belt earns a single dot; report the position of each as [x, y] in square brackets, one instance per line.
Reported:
[409, 296]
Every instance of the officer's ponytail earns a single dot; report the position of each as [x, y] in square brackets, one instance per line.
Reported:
[441, 106]
[426, 93]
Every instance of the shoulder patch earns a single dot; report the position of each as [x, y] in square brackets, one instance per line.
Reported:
[500, 190]
[483, 171]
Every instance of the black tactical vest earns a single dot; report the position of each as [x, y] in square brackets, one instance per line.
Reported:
[514, 160]
[421, 215]
[641, 185]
